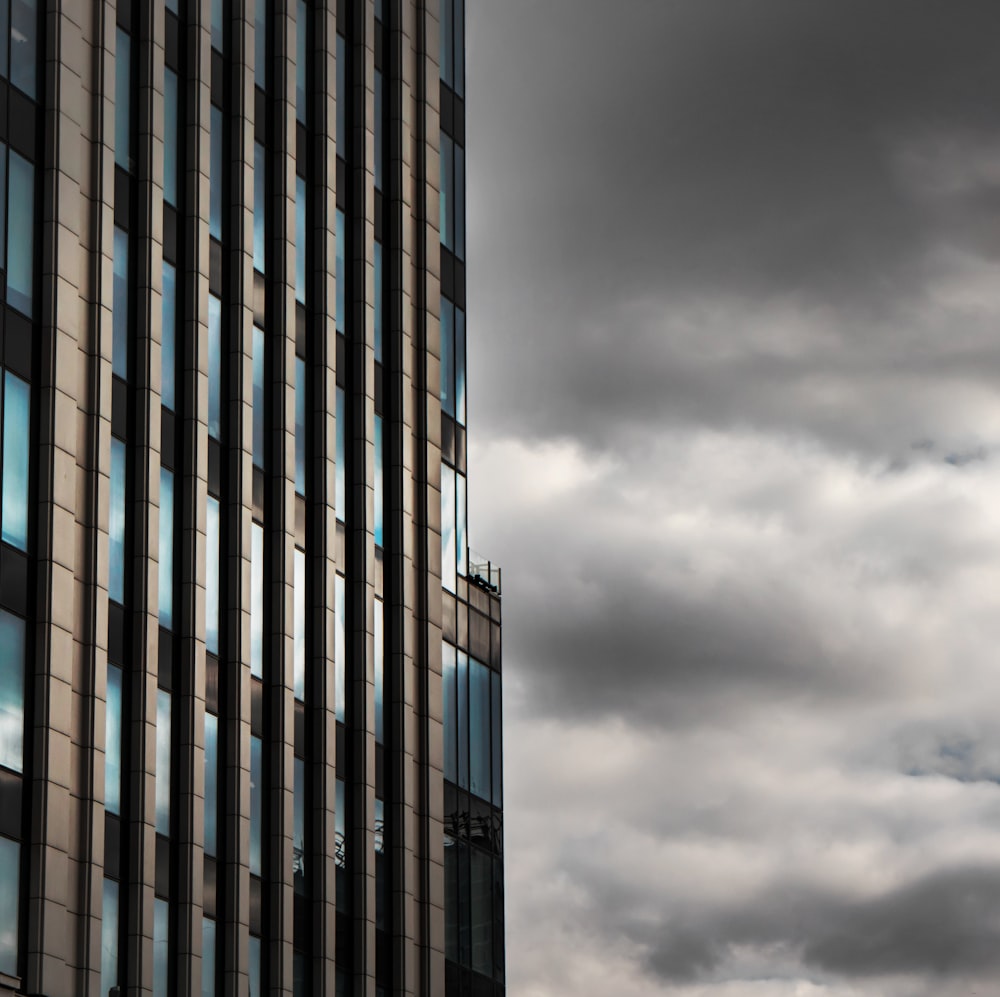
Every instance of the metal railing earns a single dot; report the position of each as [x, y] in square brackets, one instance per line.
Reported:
[483, 572]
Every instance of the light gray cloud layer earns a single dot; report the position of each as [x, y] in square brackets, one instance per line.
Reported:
[735, 406]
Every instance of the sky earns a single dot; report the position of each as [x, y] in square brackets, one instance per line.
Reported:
[734, 323]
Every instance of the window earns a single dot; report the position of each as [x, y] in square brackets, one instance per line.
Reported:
[496, 727]
[341, 274]
[447, 357]
[218, 21]
[171, 136]
[299, 827]
[123, 96]
[256, 803]
[161, 947]
[214, 367]
[21, 235]
[300, 426]
[119, 313]
[379, 114]
[479, 730]
[12, 638]
[340, 651]
[257, 600]
[452, 203]
[340, 847]
[163, 704]
[213, 557]
[453, 44]
[216, 178]
[113, 742]
[253, 968]
[168, 356]
[300, 624]
[379, 653]
[448, 558]
[378, 303]
[116, 523]
[481, 882]
[449, 681]
[10, 862]
[301, 243]
[258, 397]
[166, 549]
[462, 727]
[207, 957]
[211, 783]
[451, 898]
[23, 45]
[16, 445]
[109, 936]
[260, 43]
[340, 486]
[461, 542]
[460, 365]
[378, 481]
[259, 205]
[301, 57]
[342, 99]
[380, 876]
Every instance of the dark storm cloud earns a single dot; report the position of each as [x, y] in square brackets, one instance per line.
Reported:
[945, 922]
[767, 157]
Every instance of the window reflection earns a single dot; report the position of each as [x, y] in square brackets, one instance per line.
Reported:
[300, 625]
[214, 366]
[479, 729]
[259, 205]
[10, 862]
[12, 638]
[113, 742]
[168, 313]
[216, 174]
[211, 783]
[161, 947]
[449, 679]
[256, 803]
[24, 46]
[109, 936]
[163, 719]
[341, 272]
[258, 396]
[16, 437]
[378, 481]
[253, 968]
[257, 600]
[299, 827]
[213, 556]
[300, 426]
[448, 574]
[340, 496]
[119, 311]
[166, 549]
[116, 523]
[123, 97]
[448, 357]
[300, 240]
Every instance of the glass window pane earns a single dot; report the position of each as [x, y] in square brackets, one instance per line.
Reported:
[380, 878]
[12, 637]
[214, 367]
[300, 974]
[256, 802]
[24, 46]
[259, 205]
[482, 911]
[448, 357]
[378, 303]
[458, 37]
[341, 235]
[3, 202]
[213, 556]
[260, 43]
[340, 651]
[340, 847]
[301, 55]
[116, 523]
[461, 543]
[299, 827]
[119, 308]
[207, 957]
[216, 174]
[217, 25]
[300, 425]
[168, 356]
[459, 202]
[10, 862]
[171, 137]
[379, 652]
[463, 718]
[163, 761]
[258, 396]
[447, 193]
[257, 600]
[123, 98]
[166, 549]
[16, 440]
[379, 128]
[300, 624]
[4, 33]
[21, 234]
[109, 936]
[211, 783]
[497, 739]
[378, 480]
[340, 496]
[480, 763]
[450, 898]
[460, 365]
[113, 742]
[161, 947]
[300, 239]
[254, 966]
[448, 560]
[450, 697]
[341, 98]
[446, 42]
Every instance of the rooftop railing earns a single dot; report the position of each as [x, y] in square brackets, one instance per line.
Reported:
[483, 572]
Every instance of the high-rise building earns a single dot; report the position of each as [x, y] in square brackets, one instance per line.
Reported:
[249, 675]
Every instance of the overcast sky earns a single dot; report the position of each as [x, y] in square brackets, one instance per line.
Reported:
[734, 285]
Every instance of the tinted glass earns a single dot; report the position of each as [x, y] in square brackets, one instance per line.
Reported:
[300, 425]
[257, 600]
[119, 312]
[340, 846]
[171, 137]
[459, 202]
[340, 496]
[113, 742]
[482, 911]
[217, 25]
[461, 550]
[258, 396]
[214, 366]
[301, 55]
[450, 701]
[10, 861]
[3, 201]
[341, 239]
[380, 878]
[213, 555]
[207, 957]
[123, 97]
[379, 663]
[215, 175]
[260, 43]
[259, 205]
[460, 365]
[447, 193]
[458, 43]
[16, 447]
[116, 523]
[300, 624]
[20, 234]
[300, 239]
[299, 827]
[340, 651]
[378, 480]
[168, 357]
[166, 548]
[161, 947]
[253, 969]
[480, 762]
[377, 302]
[12, 637]
[448, 528]
[496, 739]
[163, 761]
[341, 97]
[448, 357]
[256, 802]
[462, 698]
[4, 34]
[447, 35]
[109, 936]
[379, 127]
[211, 783]
[450, 898]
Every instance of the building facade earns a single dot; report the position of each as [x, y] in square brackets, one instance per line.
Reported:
[250, 694]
